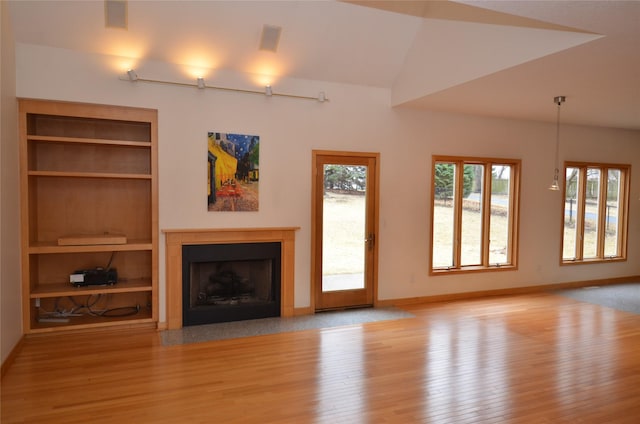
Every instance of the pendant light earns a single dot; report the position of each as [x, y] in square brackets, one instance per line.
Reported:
[555, 185]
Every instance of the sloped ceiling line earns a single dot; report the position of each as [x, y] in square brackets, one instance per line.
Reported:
[467, 51]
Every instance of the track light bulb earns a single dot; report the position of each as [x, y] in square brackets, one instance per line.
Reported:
[268, 91]
[201, 84]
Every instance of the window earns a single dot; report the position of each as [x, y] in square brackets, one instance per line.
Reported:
[595, 212]
[474, 211]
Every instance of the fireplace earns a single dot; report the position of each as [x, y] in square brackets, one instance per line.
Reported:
[176, 239]
[230, 282]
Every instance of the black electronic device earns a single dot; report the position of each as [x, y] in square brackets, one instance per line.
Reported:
[94, 277]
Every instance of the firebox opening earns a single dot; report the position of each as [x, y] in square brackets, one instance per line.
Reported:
[230, 282]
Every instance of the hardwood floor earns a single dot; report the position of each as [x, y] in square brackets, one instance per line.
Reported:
[514, 359]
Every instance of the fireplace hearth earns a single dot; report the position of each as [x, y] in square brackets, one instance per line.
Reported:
[230, 282]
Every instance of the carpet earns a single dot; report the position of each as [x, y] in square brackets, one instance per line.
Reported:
[623, 297]
[257, 327]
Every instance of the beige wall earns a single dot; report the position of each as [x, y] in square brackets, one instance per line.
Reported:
[356, 119]
[10, 316]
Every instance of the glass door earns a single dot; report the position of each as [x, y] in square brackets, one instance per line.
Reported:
[345, 225]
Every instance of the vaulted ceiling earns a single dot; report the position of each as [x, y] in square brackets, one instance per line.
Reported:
[490, 58]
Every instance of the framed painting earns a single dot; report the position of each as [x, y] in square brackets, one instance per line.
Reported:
[233, 172]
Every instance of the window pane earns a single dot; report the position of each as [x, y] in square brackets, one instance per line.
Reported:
[443, 215]
[471, 230]
[343, 227]
[592, 206]
[572, 182]
[500, 214]
[612, 223]
[466, 235]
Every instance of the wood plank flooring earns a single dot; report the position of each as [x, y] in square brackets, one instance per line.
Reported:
[514, 359]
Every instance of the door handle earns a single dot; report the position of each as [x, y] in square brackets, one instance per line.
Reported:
[370, 240]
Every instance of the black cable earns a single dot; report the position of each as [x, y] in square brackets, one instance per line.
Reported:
[108, 267]
[123, 311]
[86, 305]
[97, 296]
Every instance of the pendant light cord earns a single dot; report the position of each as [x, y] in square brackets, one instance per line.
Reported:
[557, 170]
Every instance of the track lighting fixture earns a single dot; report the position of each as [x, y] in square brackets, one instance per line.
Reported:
[200, 83]
[132, 75]
[555, 185]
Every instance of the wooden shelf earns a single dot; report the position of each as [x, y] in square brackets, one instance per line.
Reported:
[109, 175]
[95, 141]
[53, 247]
[66, 289]
[144, 316]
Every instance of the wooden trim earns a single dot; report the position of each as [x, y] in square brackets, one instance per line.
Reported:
[376, 230]
[11, 357]
[372, 155]
[126, 328]
[623, 228]
[175, 239]
[459, 163]
[372, 161]
[623, 211]
[458, 203]
[303, 311]
[515, 192]
[155, 220]
[471, 269]
[255, 230]
[593, 261]
[602, 207]
[124, 322]
[25, 217]
[485, 243]
[506, 292]
[316, 232]
[87, 110]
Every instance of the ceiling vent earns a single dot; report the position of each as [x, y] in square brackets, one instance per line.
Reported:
[270, 37]
[115, 13]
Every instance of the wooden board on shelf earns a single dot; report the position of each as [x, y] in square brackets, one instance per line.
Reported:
[92, 239]
[67, 289]
[142, 318]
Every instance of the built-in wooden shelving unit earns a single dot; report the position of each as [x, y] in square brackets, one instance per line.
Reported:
[88, 172]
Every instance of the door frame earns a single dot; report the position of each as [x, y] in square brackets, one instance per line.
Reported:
[316, 236]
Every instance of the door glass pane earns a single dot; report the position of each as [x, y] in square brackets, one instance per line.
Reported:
[592, 207]
[611, 220]
[443, 214]
[500, 214]
[471, 230]
[572, 182]
[343, 227]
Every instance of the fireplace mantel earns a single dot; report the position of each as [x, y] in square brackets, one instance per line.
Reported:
[175, 239]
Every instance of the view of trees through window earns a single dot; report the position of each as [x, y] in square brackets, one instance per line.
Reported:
[344, 213]
[473, 213]
[594, 212]
[345, 177]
